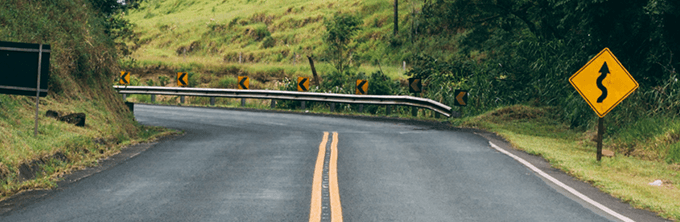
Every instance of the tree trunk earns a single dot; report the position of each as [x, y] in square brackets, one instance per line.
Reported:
[316, 77]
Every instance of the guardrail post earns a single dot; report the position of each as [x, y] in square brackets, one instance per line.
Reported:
[332, 107]
[124, 97]
[388, 110]
[181, 99]
[302, 104]
[212, 101]
[414, 111]
[243, 102]
[153, 98]
[273, 104]
[361, 108]
[436, 115]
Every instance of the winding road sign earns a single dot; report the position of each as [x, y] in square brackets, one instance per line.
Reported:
[362, 87]
[303, 84]
[243, 82]
[124, 78]
[461, 98]
[182, 79]
[415, 85]
[603, 82]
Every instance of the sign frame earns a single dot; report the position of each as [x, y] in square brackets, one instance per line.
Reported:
[182, 79]
[603, 66]
[303, 84]
[124, 78]
[21, 52]
[243, 82]
[419, 85]
[361, 86]
[459, 97]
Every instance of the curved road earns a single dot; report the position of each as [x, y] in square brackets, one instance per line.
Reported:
[234, 165]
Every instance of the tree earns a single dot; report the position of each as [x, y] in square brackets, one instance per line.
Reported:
[340, 31]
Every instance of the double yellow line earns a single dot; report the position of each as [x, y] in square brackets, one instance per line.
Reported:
[336, 208]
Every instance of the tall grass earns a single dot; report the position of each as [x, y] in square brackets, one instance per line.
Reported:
[83, 63]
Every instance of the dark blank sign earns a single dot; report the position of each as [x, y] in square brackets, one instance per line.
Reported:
[19, 68]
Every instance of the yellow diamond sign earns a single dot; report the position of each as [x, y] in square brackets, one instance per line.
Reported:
[603, 82]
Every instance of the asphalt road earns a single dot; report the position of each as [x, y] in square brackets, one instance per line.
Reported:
[236, 165]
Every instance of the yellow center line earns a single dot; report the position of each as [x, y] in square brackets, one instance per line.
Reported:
[315, 210]
[336, 207]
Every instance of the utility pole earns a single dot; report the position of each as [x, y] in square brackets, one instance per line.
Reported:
[396, 17]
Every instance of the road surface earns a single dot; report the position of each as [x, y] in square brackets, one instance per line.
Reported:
[238, 165]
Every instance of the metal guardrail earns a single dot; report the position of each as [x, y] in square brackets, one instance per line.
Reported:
[290, 95]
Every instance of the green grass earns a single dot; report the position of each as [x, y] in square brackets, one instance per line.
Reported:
[217, 32]
[82, 61]
[535, 131]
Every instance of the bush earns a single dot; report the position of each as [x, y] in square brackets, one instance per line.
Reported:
[163, 80]
[340, 31]
[268, 42]
[260, 32]
[673, 153]
[226, 82]
[149, 82]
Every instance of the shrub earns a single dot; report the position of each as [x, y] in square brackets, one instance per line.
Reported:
[673, 153]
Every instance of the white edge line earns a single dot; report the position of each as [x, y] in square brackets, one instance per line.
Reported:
[564, 186]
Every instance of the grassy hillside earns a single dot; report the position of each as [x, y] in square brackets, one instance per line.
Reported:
[264, 32]
[83, 63]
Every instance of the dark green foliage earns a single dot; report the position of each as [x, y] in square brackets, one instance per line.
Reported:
[673, 153]
[381, 84]
[163, 80]
[523, 51]
[261, 32]
[340, 31]
[268, 42]
[82, 53]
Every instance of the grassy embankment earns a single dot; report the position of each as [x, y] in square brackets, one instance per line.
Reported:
[272, 37]
[625, 176]
[83, 62]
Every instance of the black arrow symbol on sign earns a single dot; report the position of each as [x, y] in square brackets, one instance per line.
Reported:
[302, 84]
[181, 79]
[242, 83]
[361, 87]
[124, 77]
[603, 74]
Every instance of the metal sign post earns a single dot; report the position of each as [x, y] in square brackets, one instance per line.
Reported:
[37, 91]
[18, 75]
[603, 83]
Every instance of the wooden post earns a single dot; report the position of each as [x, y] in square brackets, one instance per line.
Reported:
[153, 98]
[600, 134]
[388, 110]
[361, 108]
[273, 105]
[332, 107]
[315, 76]
[302, 104]
[212, 101]
[181, 99]
[243, 102]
